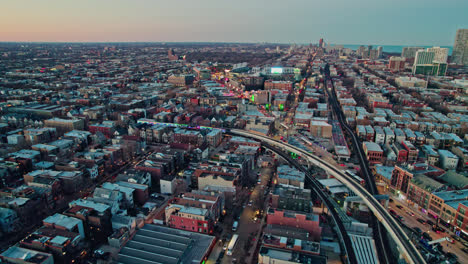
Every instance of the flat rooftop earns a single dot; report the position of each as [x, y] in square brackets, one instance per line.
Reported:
[159, 244]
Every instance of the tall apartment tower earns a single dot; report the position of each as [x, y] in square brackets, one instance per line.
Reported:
[409, 52]
[440, 54]
[460, 47]
[424, 57]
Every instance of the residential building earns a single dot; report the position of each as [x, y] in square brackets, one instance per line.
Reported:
[409, 52]
[440, 54]
[413, 152]
[373, 151]
[9, 221]
[462, 154]
[270, 255]
[448, 160]
[420, 190]
[293, 199]
[306, 221]
[439, 200]
[454, 180]
[64, 125]
[320, 129]
[290, 177]
[21, 255]
[460, 47]
[396, 64]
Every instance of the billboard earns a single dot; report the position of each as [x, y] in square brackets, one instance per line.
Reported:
[276, 70]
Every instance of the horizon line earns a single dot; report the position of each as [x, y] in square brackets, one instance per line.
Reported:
[223, 42]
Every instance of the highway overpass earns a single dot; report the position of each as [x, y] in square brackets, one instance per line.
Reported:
[405, 246]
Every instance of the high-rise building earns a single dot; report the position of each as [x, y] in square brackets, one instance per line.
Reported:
[426, 64]
[460, 48]
[409, 52]
[440, 54]
[424, 57]
[321, 43]
[379, 52]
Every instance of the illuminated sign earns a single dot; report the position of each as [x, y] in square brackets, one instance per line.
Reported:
[297, 70]
[281, 107]
[276, 70]
[253, 98]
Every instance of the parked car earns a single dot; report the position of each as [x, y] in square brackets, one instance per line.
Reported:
[426, 236]
[390, 200]
[429, 222]
[465, 250]
[410, 213]
[399, 206]
[392, 212]
[421, 221]
[457, 238]
[437, 229]
[418, 230]
[450, 255]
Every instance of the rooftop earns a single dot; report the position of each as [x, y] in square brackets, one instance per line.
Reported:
[452, 195]
[26, 255]
[426, 183]
[159, 244]
[454, 179]
[62, 220]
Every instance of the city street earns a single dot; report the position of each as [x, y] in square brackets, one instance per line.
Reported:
[248, 229]
[411, 221]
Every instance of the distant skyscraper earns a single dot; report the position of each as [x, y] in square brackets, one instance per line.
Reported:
[409, 52]
[379, 52]
[460, 48]
[440, 54]
[321, 43]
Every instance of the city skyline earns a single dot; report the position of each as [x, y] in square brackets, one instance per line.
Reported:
[154, 21]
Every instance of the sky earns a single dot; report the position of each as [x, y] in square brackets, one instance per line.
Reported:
[379, 22]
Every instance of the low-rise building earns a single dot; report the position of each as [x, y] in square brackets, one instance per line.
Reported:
[373, 151]
[448, 160]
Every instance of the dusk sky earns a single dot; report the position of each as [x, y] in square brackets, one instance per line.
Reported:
[395, 22]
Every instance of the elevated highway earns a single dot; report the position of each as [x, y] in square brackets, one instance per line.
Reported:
[405, 246]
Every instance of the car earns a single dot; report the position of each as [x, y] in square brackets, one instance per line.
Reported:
[429, 222]
[410, 213]
[421, 221]
[450, 255]
[465, 244]
[457, 238]
[417, 230]
[225, 246]
[437, 229]
[399, 206]
[250, 203]
[465, 250]
[392, 212]
[426, 236]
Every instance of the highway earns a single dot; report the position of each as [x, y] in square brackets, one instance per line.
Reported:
[406, 247]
